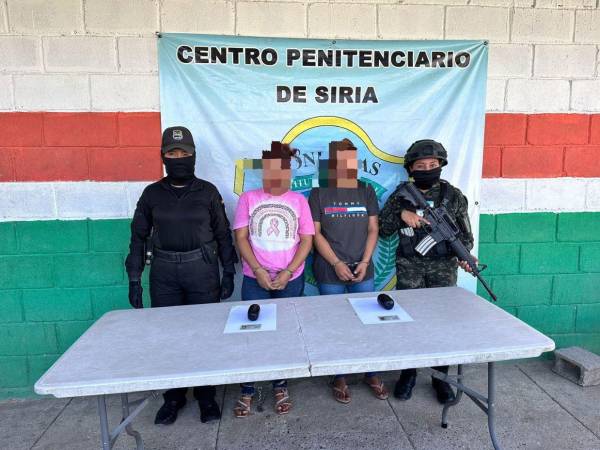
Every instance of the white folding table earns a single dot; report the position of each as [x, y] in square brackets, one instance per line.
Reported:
[162, 348]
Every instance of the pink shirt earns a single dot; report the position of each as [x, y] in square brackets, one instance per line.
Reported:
[275, 224]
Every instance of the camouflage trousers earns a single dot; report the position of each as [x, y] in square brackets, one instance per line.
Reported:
[425, 272]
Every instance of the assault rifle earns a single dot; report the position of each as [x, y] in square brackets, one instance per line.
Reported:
[442, 228]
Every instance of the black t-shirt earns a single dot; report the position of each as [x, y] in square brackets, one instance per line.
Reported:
[344, 217]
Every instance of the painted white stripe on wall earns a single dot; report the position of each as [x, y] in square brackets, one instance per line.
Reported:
[103, 200]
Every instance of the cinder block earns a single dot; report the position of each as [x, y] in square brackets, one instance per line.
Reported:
[508, 3]
[124, 92]
[80, 129]
[510, 60]
[494, 98]
[411, 21]
[53, 236]
[19, 129]
[27, 339]
[138, 54]
[592, 196]
[328, 20]
[10, 306]
[94, 269]
[25, 271]
[567, 4]
[139, 129]
[52, 92]
[505, 129]
[26, 201]
[50, 305]
[549, 319]
[500, 258]
[134, 191]
[582, 161]
[93, 200]
[532, 161]
[502, 195]
[55, 163]
[487, 228]
[42, 16]
[564, 61]
[69, 332]
[595, 129]
[38, 365]
[474, 22]
[492, 162]
[537, 95]
[189, 16]
[7, 165]
[581, 99]
[6, 93]
[556, 194]
[256, 19]
[587, 26]
[588, 318]
[549, 258]
[80, 54]
[116, 16]
[556, 129]
[20, 54]
[8, 238]
[520, 290]
[590, 257]
[576, 288]
[528, 227]
[578, 365]
[135, 164]
[108, 299]
[13, 372]
[3, 19]
[110, 235]
[532, 25]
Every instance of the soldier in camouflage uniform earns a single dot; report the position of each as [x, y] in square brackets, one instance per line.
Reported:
[424, 161]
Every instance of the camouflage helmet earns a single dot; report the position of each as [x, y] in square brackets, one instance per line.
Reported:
[425, 148]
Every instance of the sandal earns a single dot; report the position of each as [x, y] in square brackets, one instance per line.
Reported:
[378, 389]
[243, 406]
[282, 401]
[342, 395]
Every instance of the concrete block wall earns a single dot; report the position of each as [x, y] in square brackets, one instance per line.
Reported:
[79, 83]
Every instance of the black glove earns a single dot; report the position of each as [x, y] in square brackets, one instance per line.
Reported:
[135, 294]
[226, 285]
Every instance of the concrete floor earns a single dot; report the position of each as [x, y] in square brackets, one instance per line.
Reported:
[537, 409]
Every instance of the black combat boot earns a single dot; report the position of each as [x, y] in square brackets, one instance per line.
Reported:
[167, 414]
[444, 392]
[405, 385]
[209, 410]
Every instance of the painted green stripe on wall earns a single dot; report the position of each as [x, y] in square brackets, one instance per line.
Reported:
[58, 277]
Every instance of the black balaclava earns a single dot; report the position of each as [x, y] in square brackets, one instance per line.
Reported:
[180, 170]
[425, 179]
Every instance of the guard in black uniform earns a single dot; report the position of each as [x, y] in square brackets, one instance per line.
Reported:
[181, 221]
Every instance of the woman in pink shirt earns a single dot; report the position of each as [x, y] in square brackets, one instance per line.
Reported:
[273, 231]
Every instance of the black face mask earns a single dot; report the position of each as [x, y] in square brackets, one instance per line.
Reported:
[180, 170]
[425, 179]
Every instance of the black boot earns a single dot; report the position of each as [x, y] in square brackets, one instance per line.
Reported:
[209, 410]
[405, 385]
[444, 392]
[167, 414]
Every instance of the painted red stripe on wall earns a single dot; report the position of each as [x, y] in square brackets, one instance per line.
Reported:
[52, 146]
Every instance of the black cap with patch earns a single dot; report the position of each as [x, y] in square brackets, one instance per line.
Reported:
[177, 137]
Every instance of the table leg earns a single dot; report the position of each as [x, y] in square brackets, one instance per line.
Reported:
[128, 428]
[104, 431]
[491, 405]
[459, 393]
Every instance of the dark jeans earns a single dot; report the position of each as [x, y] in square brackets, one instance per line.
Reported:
[251, 290]
[188, 283]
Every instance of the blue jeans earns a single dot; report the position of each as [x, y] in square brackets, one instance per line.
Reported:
[353, 288]
[251, 290]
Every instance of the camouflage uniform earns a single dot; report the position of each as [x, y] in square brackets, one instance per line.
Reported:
[439, 267]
